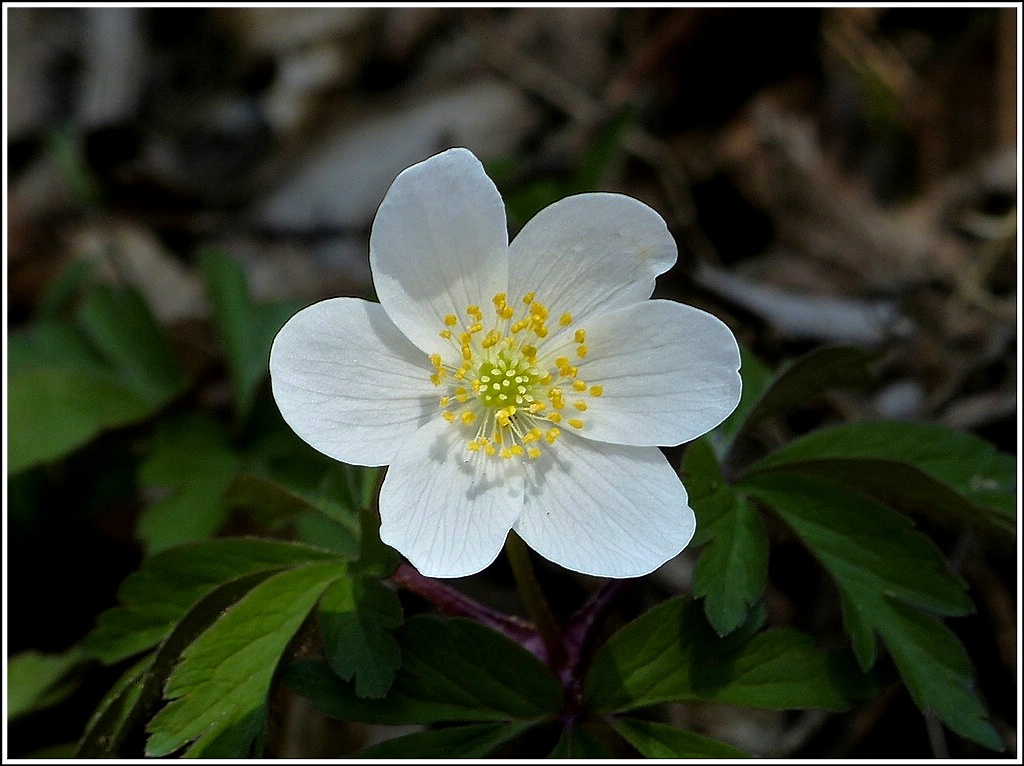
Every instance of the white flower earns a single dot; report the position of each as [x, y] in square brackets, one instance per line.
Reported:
[523, 385]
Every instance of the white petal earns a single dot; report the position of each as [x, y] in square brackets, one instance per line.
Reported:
[590, 252]
[449, 517]
[348, 382]
[604, 509]
[439, 243]
[670, 372]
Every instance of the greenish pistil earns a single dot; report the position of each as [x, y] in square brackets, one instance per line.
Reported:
[504, 383]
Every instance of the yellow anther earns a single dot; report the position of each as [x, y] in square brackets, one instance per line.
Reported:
[449, 416]
[539, 310]
[580, 335]
[444, 401]
[546, 379]
[461, 373]
[506, 453]
[532, 435]
[555, 417]
[596, 390]
[467, 352]
[451, 320]
[529, 351]
[474, 311]
[474, 328]
[472, 445]
[580, 405]
[528, 299]
[566, 319]
[502, 418]
[435, 378]
[551, 435]
[575, 422]
[561, 361]
[581, 351]
[476, 385]
[446, 334]
[537, 407]
[516, 450]
[468, 417]
[533, 453]
[464, 338]
[491, 339]
[499, 299]
[519, 326]
[506, 312]
[579, 385]
[435, 359]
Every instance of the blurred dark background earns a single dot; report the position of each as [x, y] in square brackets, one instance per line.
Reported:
[839, 175]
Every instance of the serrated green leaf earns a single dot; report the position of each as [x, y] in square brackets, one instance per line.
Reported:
[218, 692]
[153, 599]
[120, 325]
[136, 696]
[732, 569]
[473, 741]
[452, 670]
[189, 468]
[659, 740]
[888, 574]
[36, 681]
[357, 617]
[920, 466]
[245, 329]
[935, 667]
[869, 549]
[671, 654]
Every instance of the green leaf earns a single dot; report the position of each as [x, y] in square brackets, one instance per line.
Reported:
[937, 671]
[36, 681]
[670, 654]
[823, 369]
[246, 329]
[136, 696]
[578, 742]
[452, 670]
[357, 617]
[918, 466]
[153, 599]
[189, 468]
[219, 690]
[731, 572]
[52, 412]
[659, 740]
[60, 293]
[888, 574]
[68, 384]
[869, 549]
[755, 376]
[474, 741]
[120, 325]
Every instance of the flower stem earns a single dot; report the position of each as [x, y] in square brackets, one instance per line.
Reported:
[533, 599]
[457, 604]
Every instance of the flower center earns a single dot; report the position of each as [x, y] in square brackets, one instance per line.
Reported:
[506, 385]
